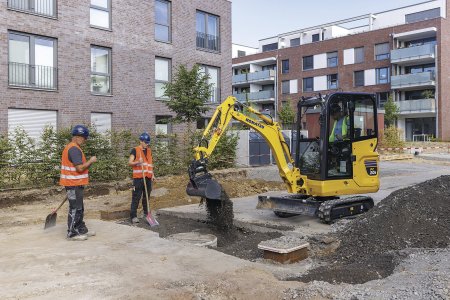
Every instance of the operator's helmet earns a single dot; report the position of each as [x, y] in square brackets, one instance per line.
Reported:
[80, 130]
[335, 108]
[145, 137]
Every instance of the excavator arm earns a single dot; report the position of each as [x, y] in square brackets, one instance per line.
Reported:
[204, 185]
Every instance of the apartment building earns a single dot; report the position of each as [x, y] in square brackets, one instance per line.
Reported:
[402, 53]
[105, 61]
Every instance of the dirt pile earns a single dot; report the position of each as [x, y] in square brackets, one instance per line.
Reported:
[414, 217]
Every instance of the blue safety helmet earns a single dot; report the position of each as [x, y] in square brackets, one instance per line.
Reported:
[145, 137]
[80, 130]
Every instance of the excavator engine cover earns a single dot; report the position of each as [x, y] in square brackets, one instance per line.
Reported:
[204, 186]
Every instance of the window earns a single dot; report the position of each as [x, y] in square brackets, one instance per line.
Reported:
[332, 81]
[36, 121]
[100, 13]
[100, 70]
[295, 42]
[285, 87]
[382, 98]
[101, 121]
[359, 55]
[202, 123]
[332, 59]
[308, 84]
[40, 7]
[269, 67]
[420, 42]
[382, 51]
[420, 69]
[270, 47]
[162, 125]
[214, 79]
[162, 76]
[285, 66]
[315, 37]
[382, 75]
[359, 78]
[207, 31]
[162, 21]
[32, 61]
[423, 15]
[241, 53]
[308, 63]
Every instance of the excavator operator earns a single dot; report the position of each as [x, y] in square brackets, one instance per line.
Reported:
[341, 124]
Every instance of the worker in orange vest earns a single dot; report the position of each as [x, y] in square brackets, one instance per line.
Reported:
[74, 176]
[141, 161]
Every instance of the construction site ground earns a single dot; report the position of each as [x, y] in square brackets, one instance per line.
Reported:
[138, 262]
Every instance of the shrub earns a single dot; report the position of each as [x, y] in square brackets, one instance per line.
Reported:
[391, 138]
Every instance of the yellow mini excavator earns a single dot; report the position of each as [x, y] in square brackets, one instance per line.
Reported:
[341, 160]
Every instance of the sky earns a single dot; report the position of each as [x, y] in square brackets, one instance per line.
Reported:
[253, 20]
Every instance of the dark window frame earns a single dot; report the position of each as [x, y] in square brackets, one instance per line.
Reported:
[378, 74]
[356, 80]
[285, 66]
[169, 70]
[307, 65]
[315, 37]
[330, 81]
[363, 55]
[269, 47]
[218, 87]
[304, 85]
[199, 38]
[169, 18]
[100, 8]
[334, 59]
[103, 74]
[283, 87]
[32, 9]
[32, 59]
[382, 56]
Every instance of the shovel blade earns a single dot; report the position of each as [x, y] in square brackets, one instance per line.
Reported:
[151, 220]
[50, 221]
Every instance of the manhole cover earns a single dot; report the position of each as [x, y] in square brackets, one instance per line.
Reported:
[195, 238]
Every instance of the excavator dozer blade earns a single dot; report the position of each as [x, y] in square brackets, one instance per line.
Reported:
[204, 186]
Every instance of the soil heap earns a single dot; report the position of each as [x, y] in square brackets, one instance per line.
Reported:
[370, 246]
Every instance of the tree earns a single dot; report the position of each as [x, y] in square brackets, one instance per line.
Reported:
[391, 112]
[286, 114]
[188, 92]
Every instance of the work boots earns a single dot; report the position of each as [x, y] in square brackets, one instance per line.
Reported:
[78, 237]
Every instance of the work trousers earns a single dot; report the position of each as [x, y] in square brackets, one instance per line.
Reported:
[138, 194]
[75, 223]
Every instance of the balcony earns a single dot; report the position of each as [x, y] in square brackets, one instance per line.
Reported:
[410, 81]
[261, 77]
[39, 7]
[260, 97]
[207, 41]
[413, 55]
[32, 76]
[417, 106]
[241, 78]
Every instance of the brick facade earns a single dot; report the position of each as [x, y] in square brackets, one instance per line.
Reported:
[134, 48]
[367, 40]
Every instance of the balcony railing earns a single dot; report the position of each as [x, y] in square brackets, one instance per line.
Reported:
[417, 106]
[240, 78]
[39, 7]
[412, 80]
[418, 53]
[256, 96]
[24, 75]
[207, 41]
[261, 75]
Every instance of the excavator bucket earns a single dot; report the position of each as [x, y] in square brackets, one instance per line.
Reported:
[203, 185]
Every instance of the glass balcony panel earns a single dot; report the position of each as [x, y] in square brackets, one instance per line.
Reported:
[412, 80]
[417, 53]
[419, 105]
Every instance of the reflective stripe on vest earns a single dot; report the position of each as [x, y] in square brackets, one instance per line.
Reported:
[69, 174]
[146, 167]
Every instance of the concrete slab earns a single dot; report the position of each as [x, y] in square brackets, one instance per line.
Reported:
[119, 262]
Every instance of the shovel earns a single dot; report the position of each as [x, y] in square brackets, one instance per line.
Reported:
[50, 221]
[150, 220]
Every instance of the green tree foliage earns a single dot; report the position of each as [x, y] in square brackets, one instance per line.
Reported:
[286, 115]
[188, 92]
[391, 112]
[391, 137]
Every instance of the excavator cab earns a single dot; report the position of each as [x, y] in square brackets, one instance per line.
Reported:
[344, 140]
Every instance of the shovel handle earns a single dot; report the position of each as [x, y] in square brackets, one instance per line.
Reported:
[61, 204]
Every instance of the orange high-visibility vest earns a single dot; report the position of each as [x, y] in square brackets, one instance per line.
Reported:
[69, 174]
[146, 167]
